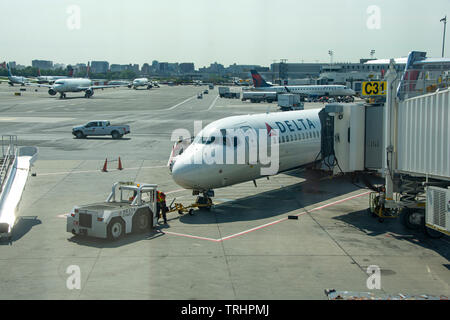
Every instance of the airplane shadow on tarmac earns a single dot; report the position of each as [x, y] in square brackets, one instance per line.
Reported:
[291, 199]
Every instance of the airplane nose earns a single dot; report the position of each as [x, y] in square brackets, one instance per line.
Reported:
[185, 175]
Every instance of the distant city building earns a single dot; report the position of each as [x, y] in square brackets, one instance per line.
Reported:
[42, 64]
[99, 66]
[124, 67]
[134, 67]
[163, 67]
[146, 68]
[59, 66]
[80, 68]
[215, 68]
[243, 70]
[12, 64]
[186, 67]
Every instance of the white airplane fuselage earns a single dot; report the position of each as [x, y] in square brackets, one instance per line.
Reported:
[299, 144]
[71, 85]
[331, 90]
[141, 82]
[18, 80]
[50, 79]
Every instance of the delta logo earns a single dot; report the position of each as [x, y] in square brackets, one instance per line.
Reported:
[270, 131]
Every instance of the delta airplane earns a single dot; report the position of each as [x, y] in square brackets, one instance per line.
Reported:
[298, 134]
[12, 80]
[318, 91]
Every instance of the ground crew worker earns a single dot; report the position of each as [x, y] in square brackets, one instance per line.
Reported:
[161, 205]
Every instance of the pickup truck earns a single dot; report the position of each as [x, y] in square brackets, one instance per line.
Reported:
[100, 128]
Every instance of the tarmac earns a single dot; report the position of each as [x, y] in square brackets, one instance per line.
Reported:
[245, 248]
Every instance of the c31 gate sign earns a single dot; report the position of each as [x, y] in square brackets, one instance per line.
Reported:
[374, 88]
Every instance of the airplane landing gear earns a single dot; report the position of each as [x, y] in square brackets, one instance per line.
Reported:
[62, 96]
[205, 201]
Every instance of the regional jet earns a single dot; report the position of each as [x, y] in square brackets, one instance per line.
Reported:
[316, 91]
[141, 82]
[51, 79]
[296, 135]
[12, 80]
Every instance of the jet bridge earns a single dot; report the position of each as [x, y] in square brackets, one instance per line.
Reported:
[406, 140]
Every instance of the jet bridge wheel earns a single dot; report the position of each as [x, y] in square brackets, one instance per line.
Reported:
[412, 218]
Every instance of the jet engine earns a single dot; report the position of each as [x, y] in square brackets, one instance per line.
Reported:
[89, 93]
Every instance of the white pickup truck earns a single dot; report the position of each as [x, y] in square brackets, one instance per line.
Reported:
[128, 208]
[100, 128]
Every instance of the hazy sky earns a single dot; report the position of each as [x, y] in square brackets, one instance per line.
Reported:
[226, 31]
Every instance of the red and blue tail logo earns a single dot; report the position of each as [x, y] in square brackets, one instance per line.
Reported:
[258, 81]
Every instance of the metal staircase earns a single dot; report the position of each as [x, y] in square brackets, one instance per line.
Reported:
[9, 148]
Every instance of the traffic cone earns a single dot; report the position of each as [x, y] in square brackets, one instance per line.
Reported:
[120, 165]
[105, 166]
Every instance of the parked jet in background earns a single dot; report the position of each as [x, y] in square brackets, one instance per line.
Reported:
[141, 82]
[51, 79]
[12, 80]
[312, 90]
[86, 85]
[62, 86]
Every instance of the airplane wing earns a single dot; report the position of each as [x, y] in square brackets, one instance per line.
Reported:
[102, 87]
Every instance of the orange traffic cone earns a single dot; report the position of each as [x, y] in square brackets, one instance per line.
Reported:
[105, 166]
[120, 165]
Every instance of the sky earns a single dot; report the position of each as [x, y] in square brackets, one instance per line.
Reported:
[224, 31]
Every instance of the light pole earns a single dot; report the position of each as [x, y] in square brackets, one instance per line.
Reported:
[331, 53]
[443, 40]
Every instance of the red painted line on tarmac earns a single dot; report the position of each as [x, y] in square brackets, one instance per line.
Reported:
[190, 236]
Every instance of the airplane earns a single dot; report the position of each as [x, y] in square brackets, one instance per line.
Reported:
[141, 82]
[62, 86]
[51, 79]
[240, 82]
[298, 134]
[12, 80]
[311, 90]
[86, 85]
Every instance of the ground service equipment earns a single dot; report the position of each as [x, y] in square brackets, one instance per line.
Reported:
[134, 210]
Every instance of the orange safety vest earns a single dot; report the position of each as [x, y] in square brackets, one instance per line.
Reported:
[161, 197]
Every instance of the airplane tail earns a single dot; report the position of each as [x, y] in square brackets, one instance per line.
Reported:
[71, 72]
[88, 70]
[258, 81]
[9, 70]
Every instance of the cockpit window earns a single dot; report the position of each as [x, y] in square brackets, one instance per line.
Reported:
[204, 140]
